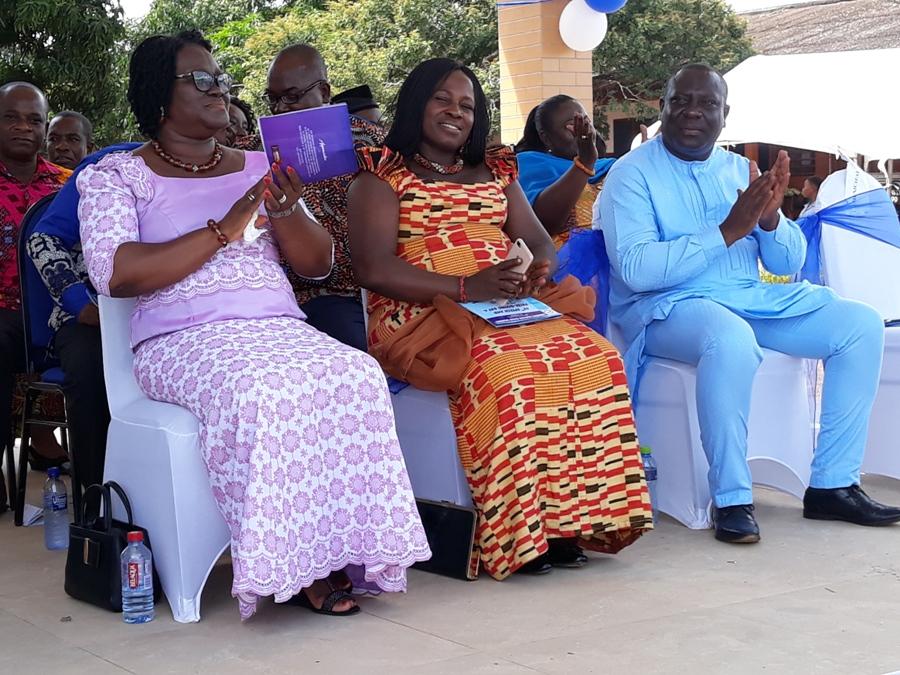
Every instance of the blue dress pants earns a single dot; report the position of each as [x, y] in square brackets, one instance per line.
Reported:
[725, 348]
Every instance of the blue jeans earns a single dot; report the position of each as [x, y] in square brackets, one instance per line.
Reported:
[725, 348]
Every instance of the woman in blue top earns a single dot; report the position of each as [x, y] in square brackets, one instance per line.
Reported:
[559, 167]
[561, 175]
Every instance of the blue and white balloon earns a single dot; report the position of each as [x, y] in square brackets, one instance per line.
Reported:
[580, 27]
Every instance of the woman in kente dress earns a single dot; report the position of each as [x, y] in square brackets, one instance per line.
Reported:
[296, 429]
[544, 426]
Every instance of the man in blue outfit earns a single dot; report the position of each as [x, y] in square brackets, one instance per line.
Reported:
[685, 224]
[55, 248]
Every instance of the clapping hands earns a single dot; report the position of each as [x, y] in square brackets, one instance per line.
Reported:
[759, 203]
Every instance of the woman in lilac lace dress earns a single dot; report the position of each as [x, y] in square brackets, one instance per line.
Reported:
[296, 429]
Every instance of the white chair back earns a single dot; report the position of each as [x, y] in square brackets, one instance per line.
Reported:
[861, 268]
[854, 265]
[118, 360]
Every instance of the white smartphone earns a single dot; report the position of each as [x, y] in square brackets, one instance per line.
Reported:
[519, 249]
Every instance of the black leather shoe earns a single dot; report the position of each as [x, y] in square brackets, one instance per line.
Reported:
[566, 553]
[849, 504]
[736, 524]
[536, 567]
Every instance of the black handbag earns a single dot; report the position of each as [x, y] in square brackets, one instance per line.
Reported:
[93, 572]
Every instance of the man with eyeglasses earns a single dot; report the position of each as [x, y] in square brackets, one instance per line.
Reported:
[298, 80]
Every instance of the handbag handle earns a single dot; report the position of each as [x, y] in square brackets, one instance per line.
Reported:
[108, 488]
[85, 500]
[105, 492]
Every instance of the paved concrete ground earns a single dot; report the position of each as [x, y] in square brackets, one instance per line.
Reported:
[811, 598]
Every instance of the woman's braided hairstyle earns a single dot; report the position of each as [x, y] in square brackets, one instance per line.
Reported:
[151, 76]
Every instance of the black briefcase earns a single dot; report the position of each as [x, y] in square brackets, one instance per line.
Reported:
[451, 534]
[93, 572]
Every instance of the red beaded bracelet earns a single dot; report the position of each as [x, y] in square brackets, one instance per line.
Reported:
[462, 290]
[214, 226]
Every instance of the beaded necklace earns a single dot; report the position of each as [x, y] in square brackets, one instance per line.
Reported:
[442, 169]
[211, 163]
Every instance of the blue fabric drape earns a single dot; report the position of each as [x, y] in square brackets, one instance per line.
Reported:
[584, 257]
[539, 170]
[869, 213]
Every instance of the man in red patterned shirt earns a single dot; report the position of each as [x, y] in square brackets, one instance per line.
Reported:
[25, 177]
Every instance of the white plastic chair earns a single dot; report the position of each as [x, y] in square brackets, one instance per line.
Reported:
[153, 452]
[780, 434]
[428, 441]
[865, 269]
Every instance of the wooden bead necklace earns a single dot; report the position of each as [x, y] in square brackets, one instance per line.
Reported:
[211, 163]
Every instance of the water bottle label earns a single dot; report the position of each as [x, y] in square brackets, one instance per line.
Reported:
[56, 501]
[650, 473]
[134, 575]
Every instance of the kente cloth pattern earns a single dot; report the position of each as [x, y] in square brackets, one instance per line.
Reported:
[543, 421]
[581, 216]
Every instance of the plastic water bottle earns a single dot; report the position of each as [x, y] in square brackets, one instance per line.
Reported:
[650, 475]
[137, 580]
[56, 512]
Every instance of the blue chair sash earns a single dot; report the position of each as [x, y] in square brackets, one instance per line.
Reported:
[869, 213]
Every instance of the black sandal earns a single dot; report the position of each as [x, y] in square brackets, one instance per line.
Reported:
[328, 604]
[567, 554]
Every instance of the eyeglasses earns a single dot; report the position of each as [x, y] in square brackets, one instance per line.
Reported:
[204, 81]
[291, 98]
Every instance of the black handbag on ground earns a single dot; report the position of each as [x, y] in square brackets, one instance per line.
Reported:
[93, 572]
[450, 530]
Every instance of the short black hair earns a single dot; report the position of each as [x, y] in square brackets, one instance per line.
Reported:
[247, 110]
[406, 130]
[534, 125]
[697, 66]
[151, 76]
[86, 127]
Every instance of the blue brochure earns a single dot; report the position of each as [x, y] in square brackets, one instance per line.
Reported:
[512, 313]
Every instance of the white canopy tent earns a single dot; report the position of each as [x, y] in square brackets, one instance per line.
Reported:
[837, 102]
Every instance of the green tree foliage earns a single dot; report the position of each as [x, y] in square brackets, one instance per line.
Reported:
[367, 41]
[172, 16]
[68, 49]
[649, 39]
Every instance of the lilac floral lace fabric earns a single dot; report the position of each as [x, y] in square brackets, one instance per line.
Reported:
[296, 429]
